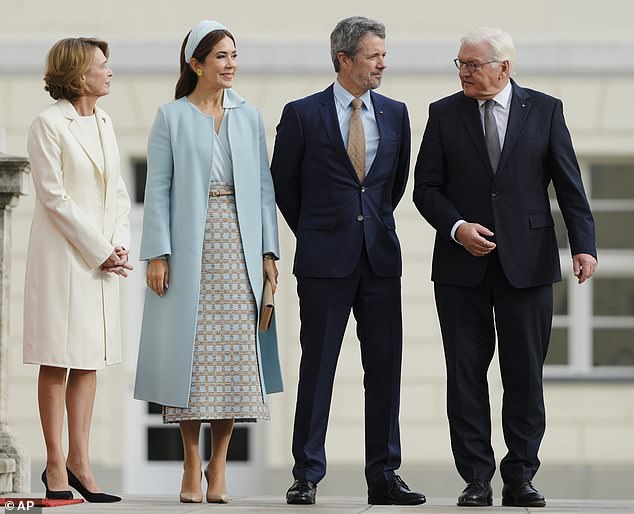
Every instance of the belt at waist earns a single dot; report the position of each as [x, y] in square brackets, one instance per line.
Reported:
[221, 191]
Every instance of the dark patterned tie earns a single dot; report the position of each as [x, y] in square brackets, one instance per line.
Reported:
[356, 140]
[491, 135]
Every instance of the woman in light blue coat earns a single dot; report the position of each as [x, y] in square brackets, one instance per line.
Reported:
[210, 236]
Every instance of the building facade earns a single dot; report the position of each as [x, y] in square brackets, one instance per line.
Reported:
[569, 49]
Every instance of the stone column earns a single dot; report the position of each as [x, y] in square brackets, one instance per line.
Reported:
[15, 466]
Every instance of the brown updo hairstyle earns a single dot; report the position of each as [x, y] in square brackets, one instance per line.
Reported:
[188, 79]
[67, 62]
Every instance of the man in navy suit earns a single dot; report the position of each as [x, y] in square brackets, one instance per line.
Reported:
[340, 167]
[487, 158]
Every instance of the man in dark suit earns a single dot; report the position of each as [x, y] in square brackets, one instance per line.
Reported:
[487, 158]
[340, 167]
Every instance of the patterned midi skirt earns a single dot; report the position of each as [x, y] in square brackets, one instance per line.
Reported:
[225, 382]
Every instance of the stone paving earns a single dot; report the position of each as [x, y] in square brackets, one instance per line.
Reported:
[330, 504]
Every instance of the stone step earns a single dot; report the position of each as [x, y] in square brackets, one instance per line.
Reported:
[7, 468]
[7, 465]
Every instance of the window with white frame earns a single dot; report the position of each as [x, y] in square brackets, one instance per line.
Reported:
[593, 325]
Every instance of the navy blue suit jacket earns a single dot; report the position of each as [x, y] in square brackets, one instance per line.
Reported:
[454, 180]
[317, 190]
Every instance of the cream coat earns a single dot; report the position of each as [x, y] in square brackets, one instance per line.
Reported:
[71, 307]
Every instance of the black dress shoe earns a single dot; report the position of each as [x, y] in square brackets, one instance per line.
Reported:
[478, 493]
[394, 492]
[302, 492]
[521, 493]
[89, 496]
[55, 495]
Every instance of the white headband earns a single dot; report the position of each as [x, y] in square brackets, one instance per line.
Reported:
[198, 33]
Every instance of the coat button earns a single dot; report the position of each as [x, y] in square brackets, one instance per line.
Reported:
[363, 189]
[494, 194]
[360, 217]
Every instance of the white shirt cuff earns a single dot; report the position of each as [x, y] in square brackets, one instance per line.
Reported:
[454, 228]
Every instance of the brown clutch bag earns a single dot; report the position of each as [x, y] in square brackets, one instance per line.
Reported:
[268, 306]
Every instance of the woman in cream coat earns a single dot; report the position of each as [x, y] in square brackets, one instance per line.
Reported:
[210, 234]
[77, 252]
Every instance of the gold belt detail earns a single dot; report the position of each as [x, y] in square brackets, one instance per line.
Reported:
[221, 192]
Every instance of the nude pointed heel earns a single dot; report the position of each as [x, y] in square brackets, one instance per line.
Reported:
[188, 497]
[218, 498]
[213, 497]
[191, 496]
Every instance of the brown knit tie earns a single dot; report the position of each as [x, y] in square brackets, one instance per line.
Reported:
[356, 140]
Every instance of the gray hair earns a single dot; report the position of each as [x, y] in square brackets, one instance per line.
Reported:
[500, 43]
[348, 34]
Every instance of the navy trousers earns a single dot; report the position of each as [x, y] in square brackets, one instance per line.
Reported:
[469, 319]
[325, 305]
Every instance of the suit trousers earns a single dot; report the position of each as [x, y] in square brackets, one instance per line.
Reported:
[469, 319]
[325, 305]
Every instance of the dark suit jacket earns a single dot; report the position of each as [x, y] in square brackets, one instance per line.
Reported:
[319, 194]
[454, 180]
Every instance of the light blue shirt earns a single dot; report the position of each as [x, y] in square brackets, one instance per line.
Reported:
[343, 99]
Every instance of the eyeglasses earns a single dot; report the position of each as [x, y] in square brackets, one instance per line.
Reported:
[471, 66]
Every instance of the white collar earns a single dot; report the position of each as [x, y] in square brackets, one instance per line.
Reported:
[503, 98]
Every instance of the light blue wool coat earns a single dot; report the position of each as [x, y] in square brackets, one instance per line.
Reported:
[180, 152]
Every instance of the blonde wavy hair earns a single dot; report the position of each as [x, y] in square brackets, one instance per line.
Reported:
[67, 63]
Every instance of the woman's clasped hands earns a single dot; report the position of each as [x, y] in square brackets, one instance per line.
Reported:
[117, 262]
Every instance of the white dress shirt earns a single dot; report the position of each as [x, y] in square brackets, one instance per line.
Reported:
[500, 111]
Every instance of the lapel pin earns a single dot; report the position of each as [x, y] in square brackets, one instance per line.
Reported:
[104, 119]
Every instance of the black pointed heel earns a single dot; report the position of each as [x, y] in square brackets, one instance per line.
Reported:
[91, 497]
[55, 495]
